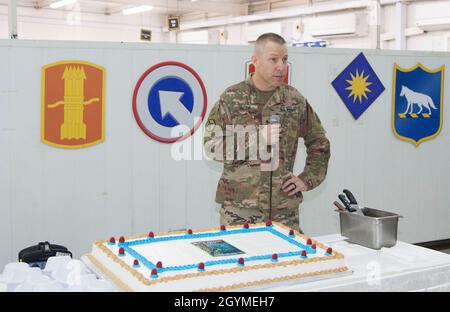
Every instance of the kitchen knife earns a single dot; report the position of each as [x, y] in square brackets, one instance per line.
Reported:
[346, 203]
[339, 206]
[353, 203]
[350, 197]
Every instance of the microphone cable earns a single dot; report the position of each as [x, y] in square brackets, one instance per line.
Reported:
[274, 119]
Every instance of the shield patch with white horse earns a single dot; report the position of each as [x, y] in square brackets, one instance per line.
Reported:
[418, 97]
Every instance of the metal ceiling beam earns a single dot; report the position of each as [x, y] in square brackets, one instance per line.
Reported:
[400, 25]
[286, 13]
[12, 19]
[174, 6]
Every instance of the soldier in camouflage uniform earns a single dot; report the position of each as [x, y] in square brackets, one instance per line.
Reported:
[244, 188]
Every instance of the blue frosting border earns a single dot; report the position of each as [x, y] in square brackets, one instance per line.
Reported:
[149, 240]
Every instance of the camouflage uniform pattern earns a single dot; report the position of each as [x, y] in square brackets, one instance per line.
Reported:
[243, 189]
[232, 215]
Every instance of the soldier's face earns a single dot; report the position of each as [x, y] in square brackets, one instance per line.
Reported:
[270, 66]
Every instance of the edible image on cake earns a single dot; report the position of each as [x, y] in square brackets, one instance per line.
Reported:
[217, 248]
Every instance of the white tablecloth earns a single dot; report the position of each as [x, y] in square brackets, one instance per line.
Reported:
[404, 267]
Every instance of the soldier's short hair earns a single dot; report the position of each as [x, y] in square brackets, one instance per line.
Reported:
[264, 38]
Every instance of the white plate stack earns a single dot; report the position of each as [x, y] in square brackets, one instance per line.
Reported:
[60, 274]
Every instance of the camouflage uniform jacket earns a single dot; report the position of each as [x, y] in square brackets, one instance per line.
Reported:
[242, 182]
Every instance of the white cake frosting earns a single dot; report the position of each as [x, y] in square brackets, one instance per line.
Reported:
[180, 258]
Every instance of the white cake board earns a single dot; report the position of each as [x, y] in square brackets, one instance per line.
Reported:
[265, 287]
[268, 287]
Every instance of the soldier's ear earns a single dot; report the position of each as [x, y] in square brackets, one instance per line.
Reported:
[254, 59]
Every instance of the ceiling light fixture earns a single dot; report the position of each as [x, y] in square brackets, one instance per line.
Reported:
[138, 9]
[61, 3]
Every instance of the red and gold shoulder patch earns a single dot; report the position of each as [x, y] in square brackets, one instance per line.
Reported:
[72, 104]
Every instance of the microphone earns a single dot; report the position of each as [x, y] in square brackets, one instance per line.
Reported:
[274, 119]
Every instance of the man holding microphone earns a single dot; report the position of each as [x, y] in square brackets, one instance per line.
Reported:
[258, 189]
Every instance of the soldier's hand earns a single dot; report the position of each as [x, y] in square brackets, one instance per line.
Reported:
[270, 134]
[293, 185]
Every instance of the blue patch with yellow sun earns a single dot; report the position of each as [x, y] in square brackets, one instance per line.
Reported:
[358, 86]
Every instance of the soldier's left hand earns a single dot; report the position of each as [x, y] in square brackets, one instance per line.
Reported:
[293, 185]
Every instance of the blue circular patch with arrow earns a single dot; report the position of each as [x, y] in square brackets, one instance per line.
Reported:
[167, 86]
[169, 102]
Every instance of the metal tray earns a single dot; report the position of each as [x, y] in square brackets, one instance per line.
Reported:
[376, 229]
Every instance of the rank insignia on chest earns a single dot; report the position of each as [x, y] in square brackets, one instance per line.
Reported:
[211, 122]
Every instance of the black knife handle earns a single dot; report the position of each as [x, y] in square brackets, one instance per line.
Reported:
[350, 197]
[346, 203]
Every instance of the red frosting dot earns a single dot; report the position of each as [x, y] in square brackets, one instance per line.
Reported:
[269, 223]
[241, 261]
[121, 239]
[121, 251]
[222, 227]
[291, 232]
[309, 241]
[189, 231]
[201, 266]
[274, 256]
[154, 272]
[112, 240]
[314, 246]
[136, 262]
[151, 234]
[246, 226]
[330, 250]
[159, 264]
[303, 253]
